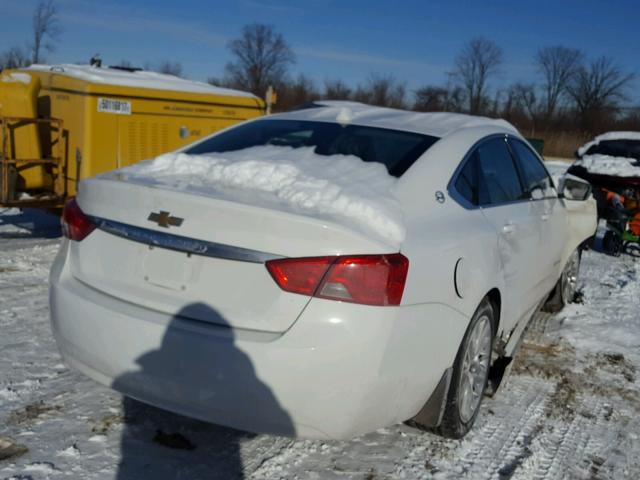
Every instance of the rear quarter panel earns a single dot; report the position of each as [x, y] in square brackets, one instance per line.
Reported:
[439, 242]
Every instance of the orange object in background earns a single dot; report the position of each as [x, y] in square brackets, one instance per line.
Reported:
[612, 196]
[634, 224]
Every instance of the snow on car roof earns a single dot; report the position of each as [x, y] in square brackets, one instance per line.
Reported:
[437, 124]
[137, 78]
[608, 136]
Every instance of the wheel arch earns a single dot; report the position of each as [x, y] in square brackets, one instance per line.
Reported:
[495, 298]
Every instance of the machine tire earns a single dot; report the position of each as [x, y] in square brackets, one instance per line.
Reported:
[459, 416]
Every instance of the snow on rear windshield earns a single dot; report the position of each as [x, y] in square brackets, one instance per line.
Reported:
[340, 188]
[396, 150]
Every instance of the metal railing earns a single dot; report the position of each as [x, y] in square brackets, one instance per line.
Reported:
[51, 197]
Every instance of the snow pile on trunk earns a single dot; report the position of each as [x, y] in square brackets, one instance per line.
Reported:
[339, 188]
[608, 165]
[608, 136]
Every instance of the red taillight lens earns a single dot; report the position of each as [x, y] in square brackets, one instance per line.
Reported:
[299, 275]
[366, 279]
[75, 224]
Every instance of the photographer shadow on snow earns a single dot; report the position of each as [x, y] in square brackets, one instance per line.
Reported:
[196, 363]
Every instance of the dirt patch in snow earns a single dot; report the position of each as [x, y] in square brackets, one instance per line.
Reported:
[106, 423]
[9, 449]
[32, 412]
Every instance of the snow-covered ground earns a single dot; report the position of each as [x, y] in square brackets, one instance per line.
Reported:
[569, 409]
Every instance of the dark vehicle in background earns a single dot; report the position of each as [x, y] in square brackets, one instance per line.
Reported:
[611, 163]
[616, 145]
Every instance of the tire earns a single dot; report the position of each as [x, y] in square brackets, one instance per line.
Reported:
[565, 290]
[470, 374]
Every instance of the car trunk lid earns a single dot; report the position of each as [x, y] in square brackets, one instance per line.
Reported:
[201, 257]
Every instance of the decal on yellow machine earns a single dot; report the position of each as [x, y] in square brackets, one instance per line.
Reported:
[110, 105]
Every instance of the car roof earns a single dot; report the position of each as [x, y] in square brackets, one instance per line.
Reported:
[437, 124]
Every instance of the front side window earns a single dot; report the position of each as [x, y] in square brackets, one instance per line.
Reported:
[534, 175]
[489, 176]
[395, 149]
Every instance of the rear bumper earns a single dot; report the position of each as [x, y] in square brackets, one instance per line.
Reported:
[341, 370]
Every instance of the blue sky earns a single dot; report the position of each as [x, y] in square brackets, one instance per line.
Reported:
[414, 40]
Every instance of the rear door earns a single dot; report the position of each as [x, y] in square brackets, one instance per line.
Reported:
[549, 211]
[503, 202]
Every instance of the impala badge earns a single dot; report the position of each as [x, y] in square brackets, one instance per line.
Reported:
[164, 219]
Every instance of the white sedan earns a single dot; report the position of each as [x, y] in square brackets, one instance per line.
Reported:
[319, 273]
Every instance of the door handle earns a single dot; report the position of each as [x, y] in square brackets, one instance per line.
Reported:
[545, 216]
[508, 228]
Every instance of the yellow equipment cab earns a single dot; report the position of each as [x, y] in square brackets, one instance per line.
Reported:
[62, 123]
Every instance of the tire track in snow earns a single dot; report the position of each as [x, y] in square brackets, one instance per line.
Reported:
[501, 443]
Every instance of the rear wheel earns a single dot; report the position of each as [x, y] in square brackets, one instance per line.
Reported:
[470, 374]
[565, 290]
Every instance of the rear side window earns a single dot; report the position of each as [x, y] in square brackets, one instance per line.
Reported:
[489, 176]
[534, 175]
[470, 183]
[395, 149]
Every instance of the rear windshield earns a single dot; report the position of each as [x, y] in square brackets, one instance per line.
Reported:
[397, 150]
[617, 148]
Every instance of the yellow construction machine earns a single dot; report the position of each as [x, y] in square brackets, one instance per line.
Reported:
[62, 123]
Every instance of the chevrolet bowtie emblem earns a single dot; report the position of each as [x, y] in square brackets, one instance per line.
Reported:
[164, 219]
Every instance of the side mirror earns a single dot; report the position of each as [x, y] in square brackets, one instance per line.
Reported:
[572, 188]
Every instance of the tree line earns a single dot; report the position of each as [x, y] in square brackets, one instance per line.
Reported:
[574, 93]
[575, 96]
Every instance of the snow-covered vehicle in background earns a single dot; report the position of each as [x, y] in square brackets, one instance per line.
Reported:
[611, 163]
[610, 160]
[319, 273]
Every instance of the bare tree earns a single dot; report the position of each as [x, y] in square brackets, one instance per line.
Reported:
[14, 57]
[558, 65]
[474, 65]
[170, 68]
[261, 58]
[382, 90]
[439, 99]
[521, 106]
[292, 94]
[599, 87]
[46, 29]
[525, 96]
[336, 90]
[216, 81]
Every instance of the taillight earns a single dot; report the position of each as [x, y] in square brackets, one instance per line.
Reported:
[366, 279]
[75, 224]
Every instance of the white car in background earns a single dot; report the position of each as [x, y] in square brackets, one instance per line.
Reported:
[319, 273]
